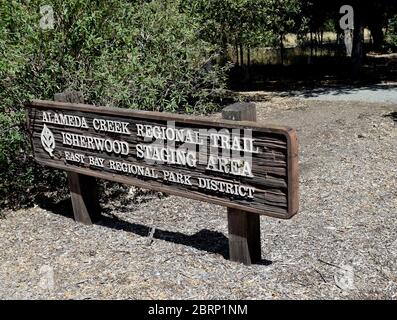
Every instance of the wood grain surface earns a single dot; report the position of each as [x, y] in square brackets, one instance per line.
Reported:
[274, 167]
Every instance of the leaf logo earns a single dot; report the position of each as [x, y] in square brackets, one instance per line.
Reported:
[48, 140]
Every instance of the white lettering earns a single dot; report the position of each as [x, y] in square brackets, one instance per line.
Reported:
[238, 167]
[95, 143]
[111, 126]
[226, 187]
[65, 120]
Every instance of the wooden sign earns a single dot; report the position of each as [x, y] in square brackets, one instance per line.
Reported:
[237, 164]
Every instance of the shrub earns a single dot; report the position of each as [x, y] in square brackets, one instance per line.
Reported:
[130, 54]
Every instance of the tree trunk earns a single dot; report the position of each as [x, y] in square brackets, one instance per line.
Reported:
[237, 55]
[281, 49]
[248, 57]
[241, 55]
[358, 44]
[377, 35]
[311, 48]
[223, 57]
[248, 63]
[339, 37]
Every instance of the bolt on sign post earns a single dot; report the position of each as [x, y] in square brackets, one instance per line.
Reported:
[248, 167]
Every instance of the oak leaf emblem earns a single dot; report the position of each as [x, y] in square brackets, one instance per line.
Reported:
[48, 140]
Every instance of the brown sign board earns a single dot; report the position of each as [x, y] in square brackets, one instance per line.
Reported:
[238, 164]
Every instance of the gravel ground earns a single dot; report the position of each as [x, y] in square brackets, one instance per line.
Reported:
[342, 244]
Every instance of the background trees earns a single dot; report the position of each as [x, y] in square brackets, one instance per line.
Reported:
[242, 24]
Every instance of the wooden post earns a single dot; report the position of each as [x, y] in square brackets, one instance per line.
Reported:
[244, 227]
[83, 188]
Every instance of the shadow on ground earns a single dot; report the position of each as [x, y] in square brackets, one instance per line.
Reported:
[337, 90]
[204, 240]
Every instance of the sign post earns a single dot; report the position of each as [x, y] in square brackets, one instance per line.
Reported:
[83, 188]
[244, 227]
[235, 162]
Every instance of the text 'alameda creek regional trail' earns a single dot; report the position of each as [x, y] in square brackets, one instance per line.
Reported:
[243, 165]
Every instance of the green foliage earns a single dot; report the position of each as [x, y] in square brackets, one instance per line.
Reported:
[252, 23]
[130, 54]
[391, 35]
[283, 17]
[228, 21]
[15, 175]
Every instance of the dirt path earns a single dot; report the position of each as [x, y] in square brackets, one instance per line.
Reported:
[342, 244]
[377, 93]
[382, 93]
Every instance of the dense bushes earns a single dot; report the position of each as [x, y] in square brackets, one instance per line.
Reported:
[130, 54]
